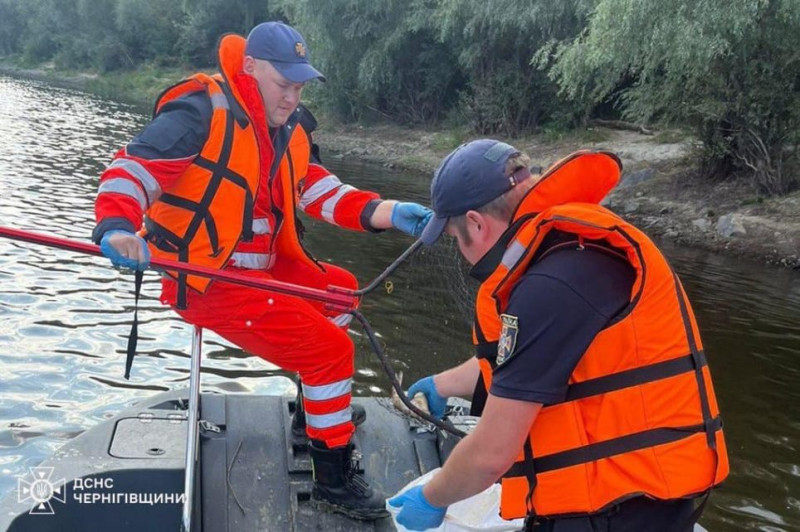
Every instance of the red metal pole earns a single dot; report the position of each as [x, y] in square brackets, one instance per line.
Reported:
[341, 298]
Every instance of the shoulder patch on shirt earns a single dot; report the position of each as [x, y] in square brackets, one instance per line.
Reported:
[508, 338]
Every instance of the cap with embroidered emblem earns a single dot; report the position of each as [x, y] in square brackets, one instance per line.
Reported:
[285, 49]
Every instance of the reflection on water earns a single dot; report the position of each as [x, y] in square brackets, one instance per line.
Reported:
[64, 318]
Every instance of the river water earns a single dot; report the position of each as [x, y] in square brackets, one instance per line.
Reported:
[65, 317]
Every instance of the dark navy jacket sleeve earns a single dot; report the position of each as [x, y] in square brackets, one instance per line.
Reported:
[560, 304]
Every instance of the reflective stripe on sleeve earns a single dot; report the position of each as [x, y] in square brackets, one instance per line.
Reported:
[329, 207]
[125, 187]
[149, 183]
[319, 189]
[327, 391]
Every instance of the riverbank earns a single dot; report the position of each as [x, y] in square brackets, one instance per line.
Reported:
[661, 191]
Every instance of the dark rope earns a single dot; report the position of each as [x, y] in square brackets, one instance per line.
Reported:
[390, 269]
[389, 370]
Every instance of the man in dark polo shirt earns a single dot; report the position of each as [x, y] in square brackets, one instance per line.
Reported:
[581, 331]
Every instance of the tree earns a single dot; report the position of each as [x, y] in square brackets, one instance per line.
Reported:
[728, 70]
[379, 57]
[12, 27]
[496, 42]
[206, 20]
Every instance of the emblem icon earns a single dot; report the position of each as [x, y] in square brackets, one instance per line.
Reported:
[40, 490]
[508, 337]
[300, 49]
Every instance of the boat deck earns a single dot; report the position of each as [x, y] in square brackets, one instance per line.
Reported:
[253, 475]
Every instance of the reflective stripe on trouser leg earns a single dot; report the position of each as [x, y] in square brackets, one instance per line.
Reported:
[286, 331]
[327, 391]
[328, 412]
[326, 421]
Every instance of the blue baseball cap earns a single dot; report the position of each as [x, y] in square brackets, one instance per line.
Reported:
[284, 48]
[470, 177]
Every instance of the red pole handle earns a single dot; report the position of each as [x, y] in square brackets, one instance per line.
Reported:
[337, 297]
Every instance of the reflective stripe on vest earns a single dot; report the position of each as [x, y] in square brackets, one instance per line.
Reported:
[219, 101]
[253, 261]
[261, 226]
[513, 254]
[324, 392]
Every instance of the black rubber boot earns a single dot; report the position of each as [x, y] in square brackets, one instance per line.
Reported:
[358, 416]
[339, 487]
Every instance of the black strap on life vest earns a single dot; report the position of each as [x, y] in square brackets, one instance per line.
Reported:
[633, 377]
[133, 337]
[529, 471]
[220, 172]
[608, 448]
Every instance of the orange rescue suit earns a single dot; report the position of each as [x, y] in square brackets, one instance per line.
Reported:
[640, 416]
[210, 209]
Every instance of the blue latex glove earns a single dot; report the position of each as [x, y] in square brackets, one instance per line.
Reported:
[417, 513]
[410, 218]
[436, 403]
[120, 261]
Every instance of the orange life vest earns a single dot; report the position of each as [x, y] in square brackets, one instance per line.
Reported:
[202, 218]
[640, 416]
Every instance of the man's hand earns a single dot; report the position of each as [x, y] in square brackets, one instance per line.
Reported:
[436, 403]
[125, 250]
[416, 512]
[410, 218]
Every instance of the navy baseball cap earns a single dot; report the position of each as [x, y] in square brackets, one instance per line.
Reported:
[284, 48]
[470, 177]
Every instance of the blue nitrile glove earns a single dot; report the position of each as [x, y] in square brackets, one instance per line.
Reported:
[436, 403]
[120, 261]
[416, 512]
[410, 218]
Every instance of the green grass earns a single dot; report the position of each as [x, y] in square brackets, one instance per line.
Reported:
[446, 141]
[140, 86]
[552, 135]
[670, 136]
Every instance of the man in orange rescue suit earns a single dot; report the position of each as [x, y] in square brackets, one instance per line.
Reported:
[598, 411]
[217, 177]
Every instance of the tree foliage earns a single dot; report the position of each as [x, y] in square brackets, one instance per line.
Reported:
[495, 42]
[379, 57]
[729, 70]
[116, 34]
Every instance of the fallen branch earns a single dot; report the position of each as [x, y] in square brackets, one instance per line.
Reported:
[619, 124]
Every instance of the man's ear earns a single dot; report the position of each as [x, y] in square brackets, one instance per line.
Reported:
[476, 220]
[249, 64]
